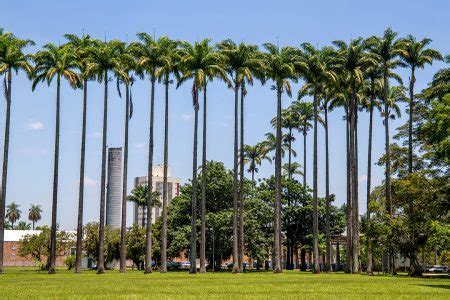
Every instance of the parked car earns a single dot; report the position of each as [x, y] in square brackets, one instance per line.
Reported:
[426, 268]
[173, 265]
[439, 269]
[185, 264]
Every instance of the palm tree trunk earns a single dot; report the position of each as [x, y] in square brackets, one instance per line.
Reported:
[144, 208]
[349, 248]
[34, 222]
[101, 231]
[123, 229]
[277, 224]
[355, 208]
[166, 158]
[414, 268]
[327, 196]
[148, 231]
[241, 190]
[315, 204]
[5, 169]
[388, 166]
[81, 187]
[369, 178]
[289, 253]
[203, 200]
[193, 252]
[235, 181]
[52, 269]
[304, 158]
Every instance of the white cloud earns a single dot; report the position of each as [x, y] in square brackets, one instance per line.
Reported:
[186, 117]
[362, 178]
[34, 125]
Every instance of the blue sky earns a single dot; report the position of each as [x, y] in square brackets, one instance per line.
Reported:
[292, 22]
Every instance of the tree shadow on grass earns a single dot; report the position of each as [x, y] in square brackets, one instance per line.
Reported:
[440, 286]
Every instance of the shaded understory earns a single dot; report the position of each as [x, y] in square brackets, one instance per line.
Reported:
[29, 283]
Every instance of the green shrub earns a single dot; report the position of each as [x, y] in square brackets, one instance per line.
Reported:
[70, 261]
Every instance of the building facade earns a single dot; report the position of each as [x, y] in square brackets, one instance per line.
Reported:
[173, 190]
[11, 250]
[114, 188]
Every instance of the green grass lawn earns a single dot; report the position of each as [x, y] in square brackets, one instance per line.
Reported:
[31, 284]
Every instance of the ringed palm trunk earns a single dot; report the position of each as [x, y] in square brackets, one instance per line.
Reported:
[235, 182]
[101, 233]
[81, 187]
[165, 196]
[349, 247]
[289, 250]
[203, 200]
[148, 231]
[355, 194]
[369, 178]
[304, 158]
[327, 195]
[193, 246]
[277, 225]
[415, 269]
[52, 268]
[241, 190]
[5, 169]
[123, 229]
[352, 106]
[388, 168]
[315, 204]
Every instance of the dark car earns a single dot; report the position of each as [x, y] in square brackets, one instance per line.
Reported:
[173, 265]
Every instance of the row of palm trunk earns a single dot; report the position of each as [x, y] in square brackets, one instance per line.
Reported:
[236, 65]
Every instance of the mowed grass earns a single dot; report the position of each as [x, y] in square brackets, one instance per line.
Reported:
[29, 283]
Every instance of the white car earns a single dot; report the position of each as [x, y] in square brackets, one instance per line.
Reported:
[439, 269]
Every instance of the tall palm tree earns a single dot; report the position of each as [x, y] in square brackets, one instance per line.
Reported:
[56, 62]
[325, 107]
[81, 45]
[101, 62]
[387, 48]
[12, 59]
[315, 72]
[168, 66]
[372, 92]
[293, 169]
[13, 213]
[139, 196]
[306, 116]
[242, 63]
[254, 155]
[211, 65]
[280, 68]
[414, 55]
[148, 52]
[289, 120]
[34, 213]
[193, 62]
[124, 64]
[352, 60]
